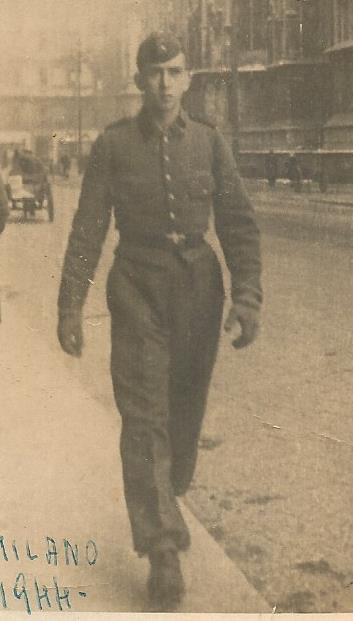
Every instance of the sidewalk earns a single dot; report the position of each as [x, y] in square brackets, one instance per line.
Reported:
[336, 195]
[60, 475]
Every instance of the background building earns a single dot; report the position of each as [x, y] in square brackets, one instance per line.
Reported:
[277, 75]
[295, 84]
[283, 81]
[337, 131]
[273, 74]
[60, 73]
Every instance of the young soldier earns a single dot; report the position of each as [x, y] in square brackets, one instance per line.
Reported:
[161, 172]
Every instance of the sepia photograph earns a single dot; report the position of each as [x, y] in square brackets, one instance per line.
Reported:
[176, 342]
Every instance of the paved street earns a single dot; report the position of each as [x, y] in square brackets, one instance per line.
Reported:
[64, 523]
[274, 485]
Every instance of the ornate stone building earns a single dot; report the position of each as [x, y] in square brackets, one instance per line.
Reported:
[337, 132]
[295, 84]
[283, 77]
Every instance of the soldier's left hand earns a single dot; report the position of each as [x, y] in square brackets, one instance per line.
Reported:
[70, 333]
[248, 320]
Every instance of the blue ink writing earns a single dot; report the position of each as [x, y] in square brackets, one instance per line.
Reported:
[53, 552]
[26, 589]
[42, 598]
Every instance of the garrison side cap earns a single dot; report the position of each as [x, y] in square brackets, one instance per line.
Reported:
[159, 47]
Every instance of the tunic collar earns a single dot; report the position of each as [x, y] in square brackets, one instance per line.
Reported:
[149, 127]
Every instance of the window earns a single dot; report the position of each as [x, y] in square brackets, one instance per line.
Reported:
[343, 91]
[252, 17]
[343, 20]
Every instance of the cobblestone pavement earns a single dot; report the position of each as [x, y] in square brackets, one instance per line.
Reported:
[275, 475]
[274, 483]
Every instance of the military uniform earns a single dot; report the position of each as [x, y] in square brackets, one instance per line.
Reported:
[165, 295]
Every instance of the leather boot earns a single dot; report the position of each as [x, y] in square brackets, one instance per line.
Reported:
[165, 583]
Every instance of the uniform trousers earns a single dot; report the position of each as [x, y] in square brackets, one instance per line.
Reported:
[166, 312]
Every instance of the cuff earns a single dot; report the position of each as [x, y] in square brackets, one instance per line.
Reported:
[249, 297]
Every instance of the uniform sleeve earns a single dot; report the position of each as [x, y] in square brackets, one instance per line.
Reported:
[236, 227]
[89, 228]
[4, 206]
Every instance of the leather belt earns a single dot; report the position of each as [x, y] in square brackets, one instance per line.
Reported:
[168, 241]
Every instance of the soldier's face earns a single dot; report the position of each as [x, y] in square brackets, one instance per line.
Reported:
[164, 84]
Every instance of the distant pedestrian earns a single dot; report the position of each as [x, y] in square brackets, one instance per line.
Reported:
[65, 163]
[294, 173]
[322, 176]
[82, 163]
[4, 205]
[271, 168]
[161, 173]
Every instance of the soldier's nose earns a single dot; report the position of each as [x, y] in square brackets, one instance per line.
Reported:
[165, 79]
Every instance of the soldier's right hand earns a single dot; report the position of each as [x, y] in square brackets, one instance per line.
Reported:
[70, 333]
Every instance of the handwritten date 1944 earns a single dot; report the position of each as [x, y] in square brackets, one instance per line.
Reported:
[34, 595]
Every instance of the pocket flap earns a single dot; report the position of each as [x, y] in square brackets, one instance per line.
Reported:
[201, 185]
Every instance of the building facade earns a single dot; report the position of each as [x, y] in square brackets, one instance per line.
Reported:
[295, 84]
[58, 82]
[337, 143]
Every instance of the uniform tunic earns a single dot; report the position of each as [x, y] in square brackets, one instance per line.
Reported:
[165, 298]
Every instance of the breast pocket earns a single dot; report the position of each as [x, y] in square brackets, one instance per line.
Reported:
[201, 186]
[133, 188]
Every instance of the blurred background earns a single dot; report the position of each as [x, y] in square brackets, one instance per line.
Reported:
[275, 75]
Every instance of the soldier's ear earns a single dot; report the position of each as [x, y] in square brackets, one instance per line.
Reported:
[139, 81]
[187, 80]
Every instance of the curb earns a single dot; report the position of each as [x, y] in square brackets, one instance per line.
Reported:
[54, 425]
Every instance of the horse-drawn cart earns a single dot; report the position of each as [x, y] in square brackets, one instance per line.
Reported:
[28, 187]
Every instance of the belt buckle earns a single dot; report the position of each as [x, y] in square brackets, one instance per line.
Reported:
[176, 238]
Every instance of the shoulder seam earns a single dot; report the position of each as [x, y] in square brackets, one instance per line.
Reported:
[203, 121]
[119, 123]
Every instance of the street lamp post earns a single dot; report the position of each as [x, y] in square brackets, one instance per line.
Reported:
[79, 106]
[203, 29]
[235, 77]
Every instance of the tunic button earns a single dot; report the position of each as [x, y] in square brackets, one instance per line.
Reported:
[172, 215]
[165, 138]
[167, 158]
[171, 197]
[168, 177]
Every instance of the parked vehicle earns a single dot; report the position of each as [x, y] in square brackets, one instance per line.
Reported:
[28, 186]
